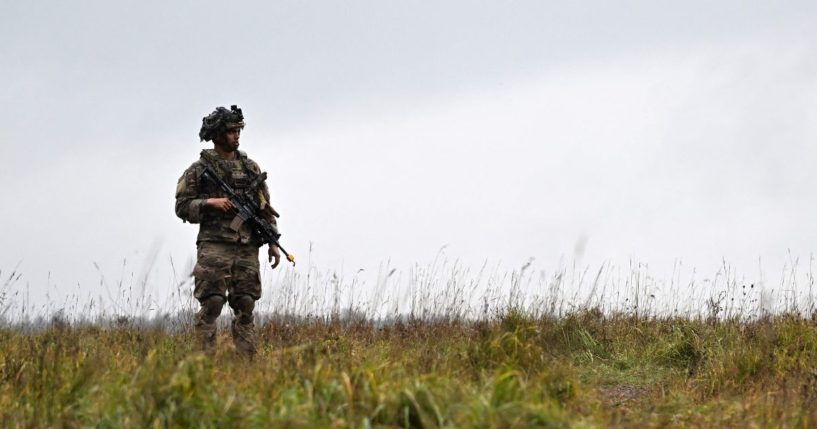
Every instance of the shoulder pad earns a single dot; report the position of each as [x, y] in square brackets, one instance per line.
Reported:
[196, 165]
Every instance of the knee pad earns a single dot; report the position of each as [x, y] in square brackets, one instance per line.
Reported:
[243, 306]
[211, 306]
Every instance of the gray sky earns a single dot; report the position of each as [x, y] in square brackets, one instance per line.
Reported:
[505, 130]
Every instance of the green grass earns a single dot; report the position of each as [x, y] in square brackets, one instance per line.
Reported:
[582, 370]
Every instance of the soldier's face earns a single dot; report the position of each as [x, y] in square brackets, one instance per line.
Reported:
[230, 140]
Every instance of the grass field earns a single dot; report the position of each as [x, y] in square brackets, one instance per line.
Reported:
[583, 369]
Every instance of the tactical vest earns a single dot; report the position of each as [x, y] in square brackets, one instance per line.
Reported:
[215, 226]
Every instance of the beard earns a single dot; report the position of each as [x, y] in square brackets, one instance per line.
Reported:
[227, 146]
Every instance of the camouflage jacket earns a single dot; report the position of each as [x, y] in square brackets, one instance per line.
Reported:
[192, 191]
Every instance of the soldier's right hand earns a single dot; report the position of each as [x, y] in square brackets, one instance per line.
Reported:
[220, 204]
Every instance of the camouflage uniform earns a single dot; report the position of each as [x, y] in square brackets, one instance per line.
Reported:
[227, 268]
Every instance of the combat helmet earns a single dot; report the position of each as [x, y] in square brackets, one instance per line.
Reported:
[220, 121]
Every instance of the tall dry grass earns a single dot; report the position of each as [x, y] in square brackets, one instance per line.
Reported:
[444, 346]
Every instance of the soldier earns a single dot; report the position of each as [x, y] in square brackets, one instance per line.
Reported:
[227, 268]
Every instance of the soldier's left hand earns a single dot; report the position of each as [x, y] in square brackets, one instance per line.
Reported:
[274, 253]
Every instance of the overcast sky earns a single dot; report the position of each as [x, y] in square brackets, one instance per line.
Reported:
[506, 130]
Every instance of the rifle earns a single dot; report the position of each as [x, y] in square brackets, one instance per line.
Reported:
[247, 209]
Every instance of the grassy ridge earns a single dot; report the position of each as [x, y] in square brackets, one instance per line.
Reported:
[583, 370]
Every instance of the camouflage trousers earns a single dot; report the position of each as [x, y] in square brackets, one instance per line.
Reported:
[227, 273]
